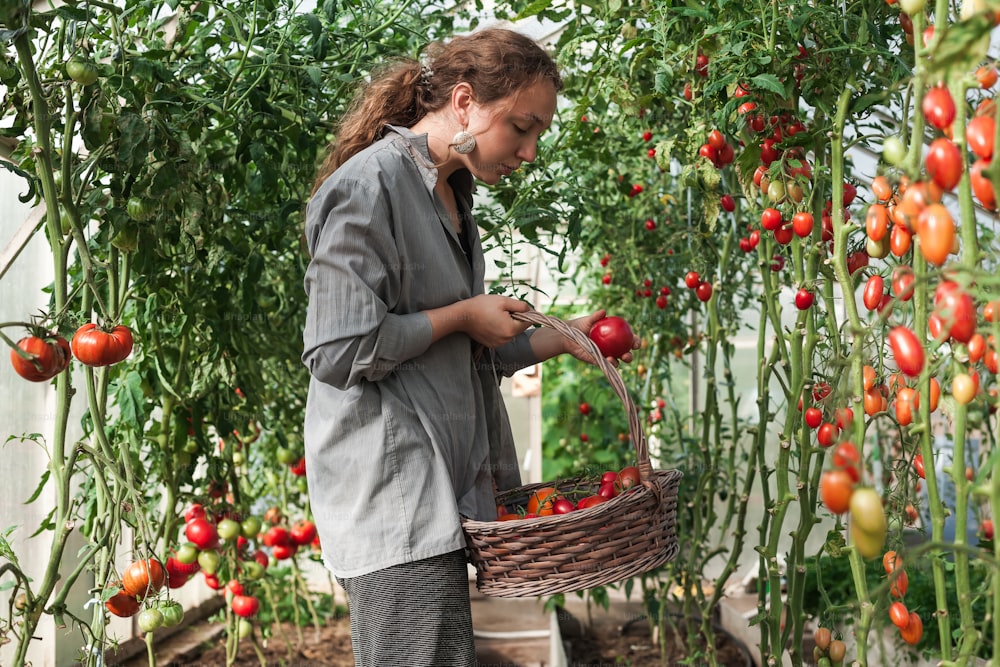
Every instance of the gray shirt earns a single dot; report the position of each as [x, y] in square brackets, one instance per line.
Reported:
[402, 436]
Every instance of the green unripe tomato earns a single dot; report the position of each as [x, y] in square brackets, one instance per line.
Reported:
[187, 553]
[244, 628]
[173, 614]
[228, 529]
[893, 151]
[286, 456]
[912, 7]
[150, 619]
[250, 527]
[209, 561]
[81, 71]
[252, 570]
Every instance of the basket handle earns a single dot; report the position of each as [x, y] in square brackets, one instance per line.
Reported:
[614, 377]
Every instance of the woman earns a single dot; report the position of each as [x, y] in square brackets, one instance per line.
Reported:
[405, 425]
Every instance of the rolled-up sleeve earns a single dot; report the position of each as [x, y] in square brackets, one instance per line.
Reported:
[353, 283]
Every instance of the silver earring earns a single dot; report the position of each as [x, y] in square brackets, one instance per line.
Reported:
[463, 143]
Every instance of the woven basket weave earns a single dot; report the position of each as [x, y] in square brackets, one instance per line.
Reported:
[632, 533]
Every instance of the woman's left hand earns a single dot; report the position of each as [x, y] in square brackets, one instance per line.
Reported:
[585, 324]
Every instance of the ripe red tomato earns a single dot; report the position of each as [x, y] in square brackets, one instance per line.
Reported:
[900, 240]
[899, 615]
[613, 336]
[728, 203]
[939, 107]
[97, 347]
[847, 457]
[944, 163]
[803, 223]
[874, 289]
[704, 291]
[900, 584]
[202, 533]
[918, 465]
[956, 309]
[143, 578]
[982, 186]
[804, 299]
[914, 630]
[828, 433]
[563, 506]
[770, 219]
[877, 222]
[907, 404]
[585, 409]
[49, 357]
[608, 490]
[692, 279]
[245, 606]
[902, 282]
[891, 560]
[813, 417]
[590, 501]
[835, 489]
[303, 532]
[979, 135]
[937, 233]
[987, 527]
[122, 604]
[784, 234]
[627, 478]
[907, 350]
[716, 139]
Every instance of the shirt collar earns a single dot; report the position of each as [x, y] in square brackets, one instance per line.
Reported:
[461, 181]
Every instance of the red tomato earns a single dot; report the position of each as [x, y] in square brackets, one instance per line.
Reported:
[804, 299]
[914, 630]
[590, 501]
[563, 506]
[906, 405]
[692, 279]
[303, 532]
[918, 465]
[900, 239]
[835, 489]
[728, 203]
[957, 311]
[977, 348]
[813, 417]
[937, 233]
[784, 234]
[982, 187]
[979, 136]
[608, 489]
[770, 219]
[987, 527]
[613, 336]
[201, 533]
[716, 139]
[96, 347]
[944, 163]
[906, 349]
[627, 477]
[899, 615]
[245, 606]
[847, 457]
[827, 434]
[902, 282]
[844, 417]
[939, 107]
[143, 578]
[877, 222]
[122, 604]
[856, 261]
[874, 289]
[704, 291]
[49, 357]
[803, 223]
[900, 584]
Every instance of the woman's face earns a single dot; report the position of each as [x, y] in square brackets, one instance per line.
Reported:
[507, 131]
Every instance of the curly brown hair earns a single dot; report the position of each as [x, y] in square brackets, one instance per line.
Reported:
[496, 62]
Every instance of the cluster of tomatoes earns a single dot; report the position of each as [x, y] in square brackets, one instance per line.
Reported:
[702, 288]
[911, 626]
[549, 500]
[43, 355]
[141, 582]
[827, 650]
[717, 150]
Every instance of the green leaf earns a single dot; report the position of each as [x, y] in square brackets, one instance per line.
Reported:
[38, 489]
[6, 551]
[130, 401]
[769, 82]
[534, 9]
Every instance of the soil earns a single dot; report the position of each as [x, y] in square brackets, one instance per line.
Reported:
[604, 645]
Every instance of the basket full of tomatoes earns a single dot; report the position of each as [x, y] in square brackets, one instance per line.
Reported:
[580, 532]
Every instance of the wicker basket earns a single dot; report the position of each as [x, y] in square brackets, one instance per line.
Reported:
[632, 533]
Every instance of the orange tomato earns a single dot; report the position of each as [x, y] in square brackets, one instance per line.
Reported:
[835, 489]
[869, 377]
[891, 560]
[881, 188]
[900, 240]
[936, 233]
[914, 630]
[542, 500]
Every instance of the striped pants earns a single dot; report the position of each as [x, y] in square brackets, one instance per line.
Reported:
[413, 615]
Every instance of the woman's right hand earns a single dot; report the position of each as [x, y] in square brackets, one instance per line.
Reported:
[486, 319]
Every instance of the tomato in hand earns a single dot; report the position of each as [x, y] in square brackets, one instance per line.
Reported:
[613, 336]
[96, 347]
[49, 356]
